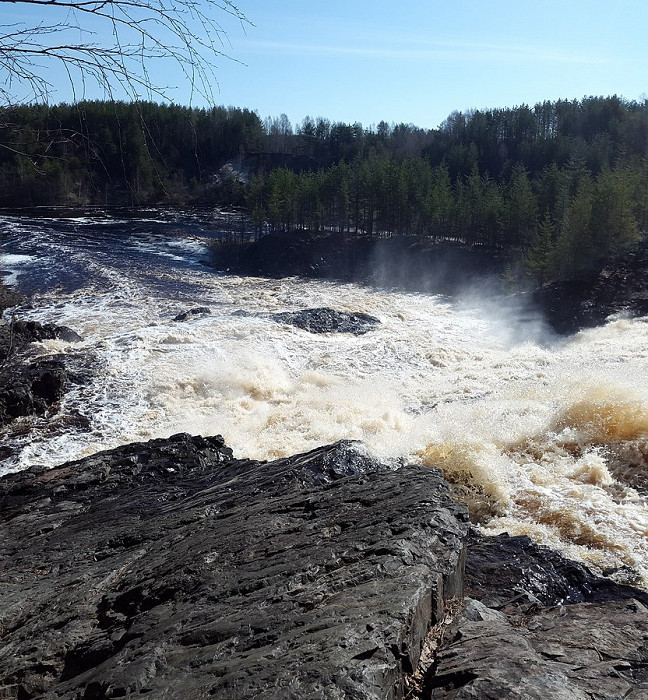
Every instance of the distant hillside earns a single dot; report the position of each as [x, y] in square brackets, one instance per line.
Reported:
[557, 188]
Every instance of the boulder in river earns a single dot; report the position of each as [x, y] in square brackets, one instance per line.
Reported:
[30, 388]
[193, 313]
[33, 331]
[326, 320]
[17, 334]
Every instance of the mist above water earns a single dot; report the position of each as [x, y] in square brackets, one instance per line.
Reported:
[540, 435]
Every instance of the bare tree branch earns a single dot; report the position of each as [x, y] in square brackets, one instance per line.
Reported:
[114, 44]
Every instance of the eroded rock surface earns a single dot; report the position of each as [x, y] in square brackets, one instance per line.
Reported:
[14, 335]
[539, 626]
[30, 388]
[171, 569]
[326, 320]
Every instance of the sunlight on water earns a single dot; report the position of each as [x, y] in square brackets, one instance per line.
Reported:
[539, 436]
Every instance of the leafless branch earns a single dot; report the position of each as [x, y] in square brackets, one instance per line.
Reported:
[114, 44]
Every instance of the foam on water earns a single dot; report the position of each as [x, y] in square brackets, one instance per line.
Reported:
[546, 439]
[12, 266]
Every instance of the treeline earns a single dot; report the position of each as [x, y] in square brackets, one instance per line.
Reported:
[556, 187]
[138, 153]
[122, 153]
[565, 220]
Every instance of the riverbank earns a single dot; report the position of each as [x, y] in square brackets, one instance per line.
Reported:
[413, 264]
[620, 287]
[403, 262]
[131, 590]
[173, 569]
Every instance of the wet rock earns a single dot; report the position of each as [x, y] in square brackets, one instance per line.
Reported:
[67, 334]
[540, 626]
[171, 569]
[513, 571]
[16, 334]
[575, 652]
[33, 331]
[8, 297]
[326, 320]
[31, 388]
[193, 313]
[620, 287]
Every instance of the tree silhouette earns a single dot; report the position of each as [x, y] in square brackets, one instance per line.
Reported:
[113, 44]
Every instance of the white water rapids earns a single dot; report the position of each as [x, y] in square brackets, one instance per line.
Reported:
[540, 439]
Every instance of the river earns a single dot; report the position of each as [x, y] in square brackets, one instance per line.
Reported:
[541, 435]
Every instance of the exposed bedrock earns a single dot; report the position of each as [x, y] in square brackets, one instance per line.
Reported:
[171, 569]
[30, 388]
[537, 626]
[17, 334]
[621, 287]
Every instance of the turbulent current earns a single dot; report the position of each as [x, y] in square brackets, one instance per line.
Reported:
[541, 436]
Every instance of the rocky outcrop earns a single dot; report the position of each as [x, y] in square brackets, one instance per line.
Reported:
[15, 334]
[325, 320]
[576, 652]
[171, 569]
[8, 296]
[538, 626]
[619, 287]
[30, 386]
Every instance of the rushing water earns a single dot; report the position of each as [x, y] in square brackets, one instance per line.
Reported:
[544, 437]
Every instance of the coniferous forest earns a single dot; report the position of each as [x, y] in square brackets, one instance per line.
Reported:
[556, 188]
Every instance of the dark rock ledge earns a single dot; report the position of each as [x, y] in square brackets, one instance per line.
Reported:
[620, 287]
[171, 570]
[536, 626]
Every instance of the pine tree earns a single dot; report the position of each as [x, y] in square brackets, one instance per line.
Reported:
[540, 257]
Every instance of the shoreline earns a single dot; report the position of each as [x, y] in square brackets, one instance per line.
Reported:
[134, 505]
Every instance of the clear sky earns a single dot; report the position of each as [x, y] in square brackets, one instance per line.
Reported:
[418, 60]
[415, 61]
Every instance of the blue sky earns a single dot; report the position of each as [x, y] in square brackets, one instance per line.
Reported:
[417, 61]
